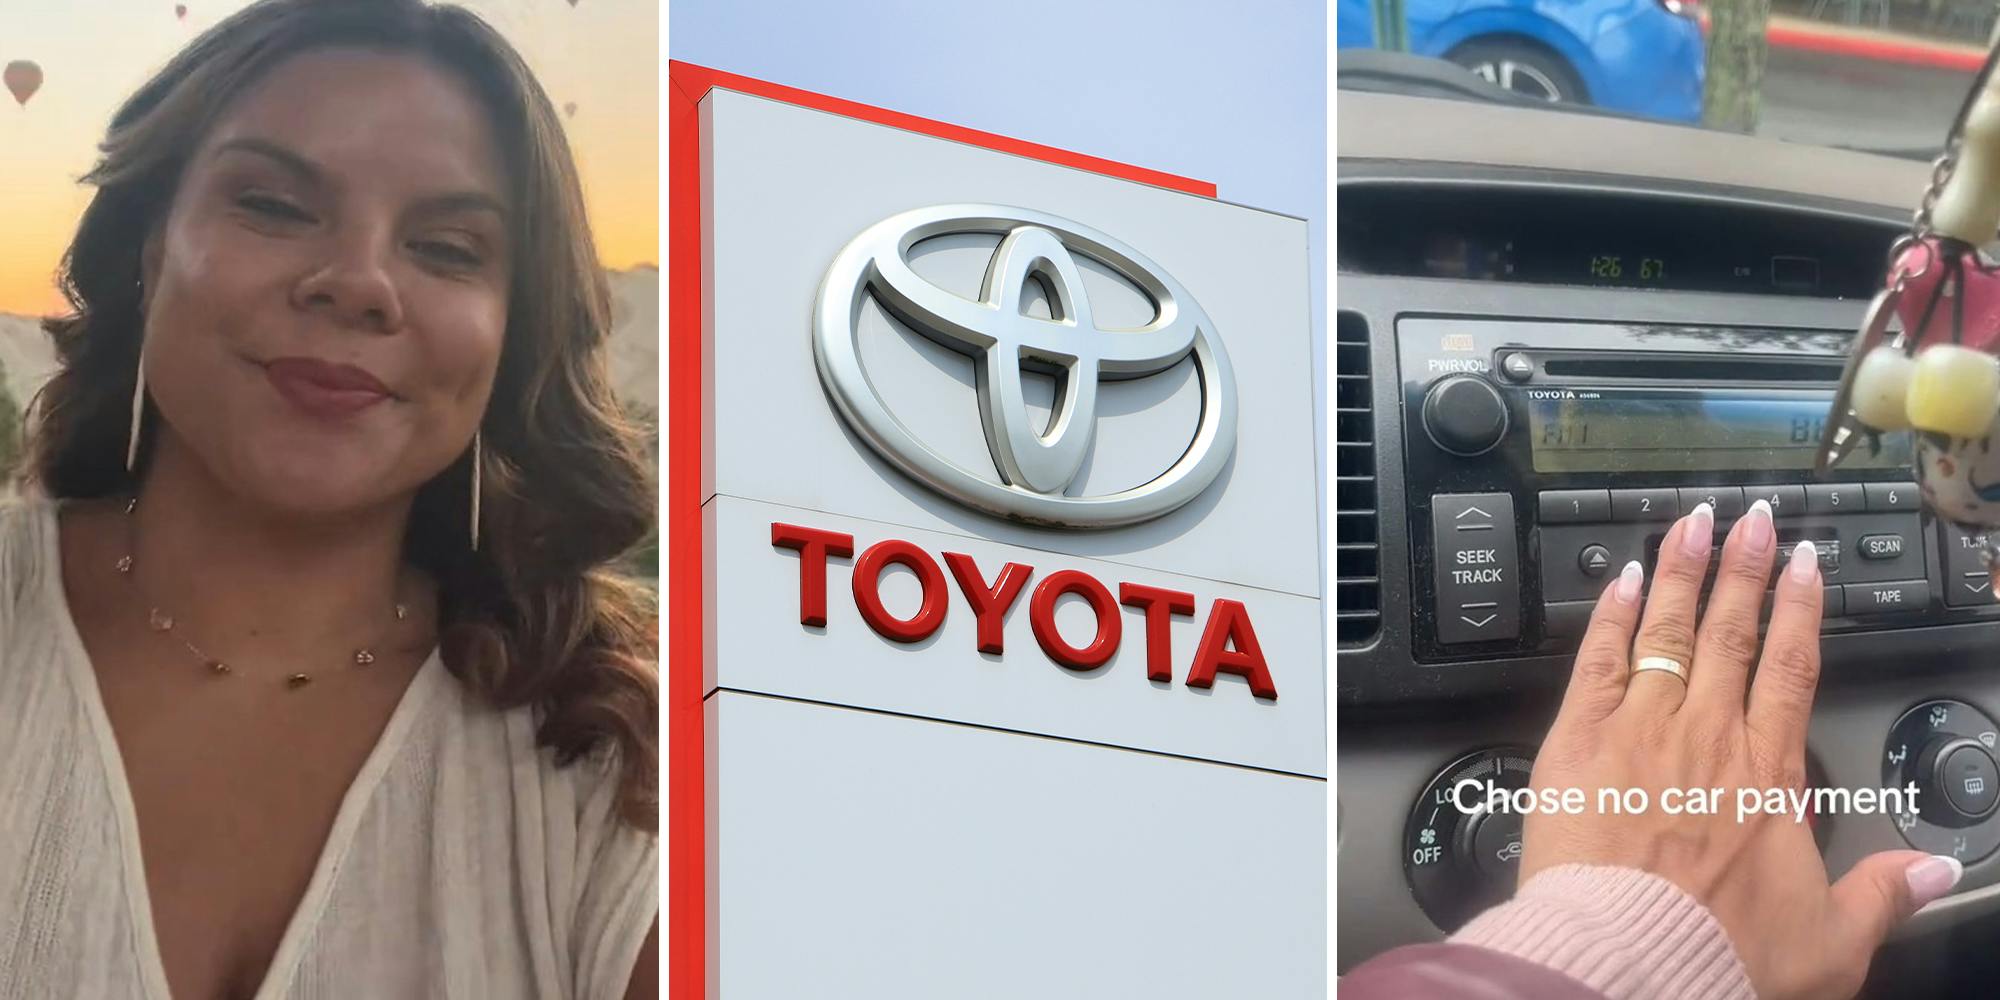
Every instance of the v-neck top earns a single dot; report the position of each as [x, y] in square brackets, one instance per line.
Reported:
[463, 863]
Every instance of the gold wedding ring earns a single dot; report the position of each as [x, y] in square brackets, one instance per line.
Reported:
[1667, 664]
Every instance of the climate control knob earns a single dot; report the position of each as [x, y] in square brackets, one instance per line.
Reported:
[1465, 415]
[1460, 856]
[1946, 749]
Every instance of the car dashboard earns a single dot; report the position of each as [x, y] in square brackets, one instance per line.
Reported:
[1553, 332]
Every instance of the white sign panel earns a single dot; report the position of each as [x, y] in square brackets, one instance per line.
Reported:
[864, 857]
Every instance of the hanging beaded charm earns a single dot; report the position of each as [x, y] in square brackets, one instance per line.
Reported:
[1927, 357]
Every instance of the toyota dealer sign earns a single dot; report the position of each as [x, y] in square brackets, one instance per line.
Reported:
[1002, 537]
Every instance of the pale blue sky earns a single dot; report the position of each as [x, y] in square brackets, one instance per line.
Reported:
[1229, 93]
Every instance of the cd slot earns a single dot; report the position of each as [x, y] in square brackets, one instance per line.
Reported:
[1688, 368]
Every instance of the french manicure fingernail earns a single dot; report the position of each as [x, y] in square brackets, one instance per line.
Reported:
[1629, 580]
[1757, 531]
[1932, 877]
[1698, 531]
[1804, 567]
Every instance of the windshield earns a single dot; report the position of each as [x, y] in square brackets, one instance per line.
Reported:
[1883, 76]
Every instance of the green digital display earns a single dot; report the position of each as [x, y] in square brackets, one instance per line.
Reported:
[1626, 270]
[1650, 431]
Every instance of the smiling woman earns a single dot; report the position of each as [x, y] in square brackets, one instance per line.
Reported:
[315, 679]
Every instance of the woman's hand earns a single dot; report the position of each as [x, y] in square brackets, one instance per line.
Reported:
[1762, 878]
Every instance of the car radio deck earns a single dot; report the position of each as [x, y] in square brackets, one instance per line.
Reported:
[1542, 456]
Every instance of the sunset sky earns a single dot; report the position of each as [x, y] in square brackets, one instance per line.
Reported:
[601, 54]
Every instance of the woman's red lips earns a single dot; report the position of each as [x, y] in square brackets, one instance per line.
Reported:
[324, 389]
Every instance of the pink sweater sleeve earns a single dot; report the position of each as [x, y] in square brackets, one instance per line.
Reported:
[1623, 932]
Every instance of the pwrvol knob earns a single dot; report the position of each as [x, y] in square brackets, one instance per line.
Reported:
[1465, 415]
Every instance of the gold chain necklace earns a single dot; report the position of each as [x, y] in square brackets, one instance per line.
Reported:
[160, 621]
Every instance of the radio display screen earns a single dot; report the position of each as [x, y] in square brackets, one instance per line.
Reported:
[1647, 430]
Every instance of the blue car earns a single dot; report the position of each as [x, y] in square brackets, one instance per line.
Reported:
[1643, 57]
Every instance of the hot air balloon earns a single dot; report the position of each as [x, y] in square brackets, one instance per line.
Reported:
[180, 12]
[570, 109]
[23, 78]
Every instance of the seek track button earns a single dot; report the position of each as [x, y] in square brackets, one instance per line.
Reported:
[1479, 614]
[1476, 567]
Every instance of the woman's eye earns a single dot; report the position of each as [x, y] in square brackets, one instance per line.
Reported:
[450, 254]
[276, 208]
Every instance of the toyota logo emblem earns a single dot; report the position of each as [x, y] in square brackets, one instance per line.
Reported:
[1033, 469]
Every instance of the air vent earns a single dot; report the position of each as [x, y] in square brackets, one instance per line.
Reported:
[1357, 560]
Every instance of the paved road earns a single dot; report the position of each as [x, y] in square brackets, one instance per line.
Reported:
[1843, 100]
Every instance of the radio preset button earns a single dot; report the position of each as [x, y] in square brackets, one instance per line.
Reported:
[1478, 567]
[1831, 603]
[1574, 506]
[1727, 500]
[1835, 498]
[1892, 496]
[1881, 598]
[1566, 618]
[1645, 505]
[1887, 545]
[1785, 501]
[1465, 415]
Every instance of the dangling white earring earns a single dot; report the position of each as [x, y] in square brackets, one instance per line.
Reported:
[475, 490]
[138, 386]
[138, 413]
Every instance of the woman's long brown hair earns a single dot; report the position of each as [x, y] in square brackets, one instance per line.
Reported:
[537, 617]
